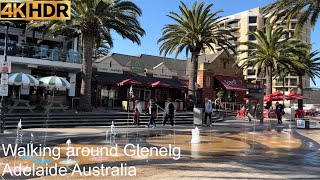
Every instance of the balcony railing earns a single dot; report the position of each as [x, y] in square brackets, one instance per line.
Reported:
[41, 52]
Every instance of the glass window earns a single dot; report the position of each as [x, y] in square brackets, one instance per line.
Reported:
[251, 72]
[252, 28]
[293, 82]
[251, 37]
[253, 19]
[293, 25]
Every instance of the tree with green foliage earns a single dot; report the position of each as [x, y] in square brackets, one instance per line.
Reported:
[194, 30]
[271, 51]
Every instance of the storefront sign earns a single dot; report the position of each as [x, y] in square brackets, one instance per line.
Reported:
[301, 124]
[162, 76]
[4, 79]
[110, 70]
[5, 66]
[4, 90]
[137, 67]
[104, 93]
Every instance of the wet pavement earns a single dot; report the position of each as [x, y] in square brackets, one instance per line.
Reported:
[234, 149]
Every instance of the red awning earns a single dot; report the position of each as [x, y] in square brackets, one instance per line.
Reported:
[231, 83]
[161, 84]
[130, 82]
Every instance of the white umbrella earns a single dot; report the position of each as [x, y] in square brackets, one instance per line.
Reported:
[55, 82]
[19, 79]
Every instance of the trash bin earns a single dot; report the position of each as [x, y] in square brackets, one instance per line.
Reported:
[198, 116]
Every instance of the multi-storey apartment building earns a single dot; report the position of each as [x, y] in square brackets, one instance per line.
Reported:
[251, 20]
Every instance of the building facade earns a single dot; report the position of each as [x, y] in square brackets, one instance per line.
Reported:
[249, 21]
[152, 77]
[30, 52]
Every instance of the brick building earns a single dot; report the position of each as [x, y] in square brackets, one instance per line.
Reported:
[215, 70]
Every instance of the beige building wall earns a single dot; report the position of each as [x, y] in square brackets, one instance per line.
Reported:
[246, 24]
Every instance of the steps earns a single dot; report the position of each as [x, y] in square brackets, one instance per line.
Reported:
[41, 120]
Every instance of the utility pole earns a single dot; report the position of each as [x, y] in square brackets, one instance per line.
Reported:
[5, 54]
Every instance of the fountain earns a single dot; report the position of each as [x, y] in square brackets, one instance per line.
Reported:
[31, 143]
[112, 130]
[195, 136]
[68, 161]
[19, 133]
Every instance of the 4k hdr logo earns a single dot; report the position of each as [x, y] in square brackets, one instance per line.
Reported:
[35, 10]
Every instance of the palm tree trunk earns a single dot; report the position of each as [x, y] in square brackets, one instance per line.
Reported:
[269, 84]
[300, 92]
[193, 76]
[269, 80]
[85, 93]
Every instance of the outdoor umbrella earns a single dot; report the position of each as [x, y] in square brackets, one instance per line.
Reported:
[55, 82]
[19, 79]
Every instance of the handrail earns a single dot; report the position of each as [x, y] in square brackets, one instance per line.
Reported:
[159, 107]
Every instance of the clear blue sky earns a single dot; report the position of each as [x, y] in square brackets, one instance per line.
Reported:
[154, 18]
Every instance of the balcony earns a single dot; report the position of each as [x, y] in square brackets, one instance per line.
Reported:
[43, 52]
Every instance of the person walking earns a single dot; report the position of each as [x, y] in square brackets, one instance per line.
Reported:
[169, 112]
[279, 112]
[207, 111]
[137, 112]
[152, 113]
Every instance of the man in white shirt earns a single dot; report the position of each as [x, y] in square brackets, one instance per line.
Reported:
[207, 111]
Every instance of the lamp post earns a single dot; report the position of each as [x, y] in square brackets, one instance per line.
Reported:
[5, 54]
[283, 76]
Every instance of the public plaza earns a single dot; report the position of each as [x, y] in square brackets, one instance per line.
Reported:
[232, 149]
[87, 95]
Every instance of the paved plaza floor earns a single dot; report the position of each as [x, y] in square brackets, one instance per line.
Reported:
[233, 149]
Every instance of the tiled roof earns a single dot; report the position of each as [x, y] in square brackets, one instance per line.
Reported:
[175, 65]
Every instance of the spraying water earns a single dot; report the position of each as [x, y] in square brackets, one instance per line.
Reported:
[195, 136]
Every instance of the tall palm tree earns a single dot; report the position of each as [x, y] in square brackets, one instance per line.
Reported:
[271, 50]
[194, 30]
[95, 19]
[311, 62]
[309, 9]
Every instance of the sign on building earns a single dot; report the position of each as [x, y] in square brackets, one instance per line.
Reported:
[5, 66]
[4, 79]
[137, 67]
[4, 90]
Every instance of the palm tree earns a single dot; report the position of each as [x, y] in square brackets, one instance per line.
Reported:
[311, 62]
[93, 20]
[309, 9]
[194, 30]
[271, 51]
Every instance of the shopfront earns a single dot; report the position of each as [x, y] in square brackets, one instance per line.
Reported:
[113, 90]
